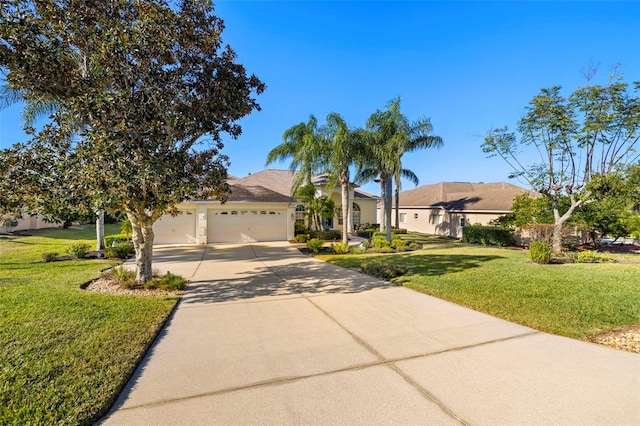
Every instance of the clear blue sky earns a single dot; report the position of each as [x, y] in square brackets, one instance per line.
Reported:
[469, 66]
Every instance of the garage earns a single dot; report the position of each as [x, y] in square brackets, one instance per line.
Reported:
[180, 229]
[233, 226]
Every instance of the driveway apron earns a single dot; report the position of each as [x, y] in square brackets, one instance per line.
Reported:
[267, 335]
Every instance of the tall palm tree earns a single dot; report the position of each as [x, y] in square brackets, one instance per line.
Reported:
[305, 146]
[389, 135]
[343, 150]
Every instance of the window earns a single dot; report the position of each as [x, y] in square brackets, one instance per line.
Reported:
[462, 222]
[355, 215]
[415, 215]
[403, 218]
[300, 214]
[435, 218]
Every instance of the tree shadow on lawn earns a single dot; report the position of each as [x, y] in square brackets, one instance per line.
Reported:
[441, 264]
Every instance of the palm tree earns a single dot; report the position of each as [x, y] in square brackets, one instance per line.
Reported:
[304, 145]
[343, 150]
[389, 135]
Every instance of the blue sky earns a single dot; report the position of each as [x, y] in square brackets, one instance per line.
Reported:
[469, 66]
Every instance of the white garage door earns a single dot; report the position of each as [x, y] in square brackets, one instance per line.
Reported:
[232, 226]
[180, 229]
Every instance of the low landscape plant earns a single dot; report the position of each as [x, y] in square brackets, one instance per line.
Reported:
[301, 238]
[340, 248]
[591, 256]
[119, 251]
[540, 252]
[78, 249]
[168, 281]
[379, 241]
[315, 245]
[112, 240]
[382, 270]
[49, 256]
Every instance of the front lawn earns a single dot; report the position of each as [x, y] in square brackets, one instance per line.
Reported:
[574, 300]
[65, 353]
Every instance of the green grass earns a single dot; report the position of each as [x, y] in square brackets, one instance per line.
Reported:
[574, 300]
[65, 353]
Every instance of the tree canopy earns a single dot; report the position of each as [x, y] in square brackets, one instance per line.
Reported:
[152, 86]
[592, 132]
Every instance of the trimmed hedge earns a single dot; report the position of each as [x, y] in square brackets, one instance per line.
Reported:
[488, 236]
[116, 239]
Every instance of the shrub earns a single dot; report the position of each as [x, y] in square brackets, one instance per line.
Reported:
[399, 243]
[540, 252]
[380, 270]
[112, 240]
[379, 241]
[367, 226]
[301, 238]
[120, 251]
[340, 248]
[315, 245]
[49, 257]
[488, 235]
[167, 282]
[365, 233]
[356, 250]
[122, 276]
[590, 256]
[398, 230]
[329, 235]
[299, 228]
[78, 250]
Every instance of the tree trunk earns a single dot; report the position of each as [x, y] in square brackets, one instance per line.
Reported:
[345, 208]
[143, 245]
[100, 230]
[383, 208]
[388, 183]
[397, 210]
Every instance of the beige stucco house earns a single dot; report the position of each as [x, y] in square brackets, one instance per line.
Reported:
[25, 222]
[260, 208]
[445, 208]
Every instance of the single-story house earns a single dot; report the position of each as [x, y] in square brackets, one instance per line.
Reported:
[259, 208]
[445, 208]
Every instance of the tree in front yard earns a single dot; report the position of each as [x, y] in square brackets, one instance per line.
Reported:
[155, 89]
[587, 135]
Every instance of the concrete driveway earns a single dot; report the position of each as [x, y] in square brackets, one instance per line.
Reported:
[266, 335]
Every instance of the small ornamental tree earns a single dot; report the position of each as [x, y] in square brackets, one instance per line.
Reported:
[588, 134]
[151, 85]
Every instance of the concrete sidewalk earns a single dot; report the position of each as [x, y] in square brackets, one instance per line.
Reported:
[266, 335]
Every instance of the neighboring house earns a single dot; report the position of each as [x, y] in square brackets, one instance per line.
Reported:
[445, 208]
[9, 224]
[259, 208]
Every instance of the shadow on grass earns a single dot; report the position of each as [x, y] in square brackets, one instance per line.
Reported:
[441, 264]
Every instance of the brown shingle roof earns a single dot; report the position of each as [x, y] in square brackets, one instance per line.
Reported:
[253, 193]
[463, 196]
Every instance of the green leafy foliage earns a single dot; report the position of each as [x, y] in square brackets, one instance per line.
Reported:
[383, 270]
[540, 252]
[315, 245]
[301, 238]
[488, 235]
[340, 248]
[111, 240]
[120, 251]
[591, 256]
[49, 256]
[380, 241]
[168, 281]
[78, 249]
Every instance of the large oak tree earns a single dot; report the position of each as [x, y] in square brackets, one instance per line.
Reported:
[152, 87]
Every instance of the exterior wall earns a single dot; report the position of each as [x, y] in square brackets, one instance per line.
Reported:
[440, 222]
[30, 222]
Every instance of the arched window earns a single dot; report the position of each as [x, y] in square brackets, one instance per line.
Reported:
[355, 217]
[300, 214]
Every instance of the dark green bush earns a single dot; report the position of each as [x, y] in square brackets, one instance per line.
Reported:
[120, 250]
[367, 226]
[540, 252]
[78, 250]
[329, 235]
[315, 245]
[398, 230]
[488, 235]
[299, 228]
[380, 270]
[115, 239]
